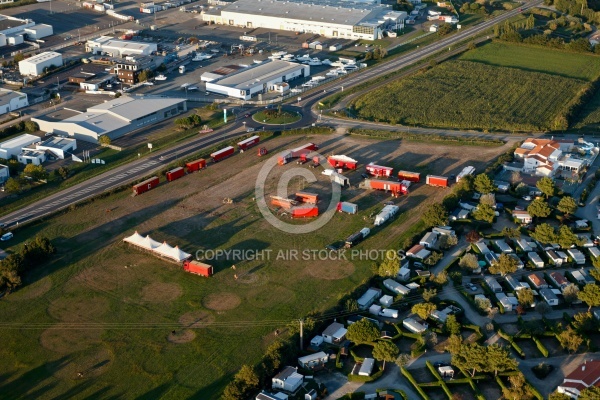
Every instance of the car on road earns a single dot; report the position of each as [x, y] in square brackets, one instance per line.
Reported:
[152, 84]
[246, 115]
[6, 236]
[472, 287]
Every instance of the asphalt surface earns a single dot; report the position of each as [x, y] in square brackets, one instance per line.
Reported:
[147, 165]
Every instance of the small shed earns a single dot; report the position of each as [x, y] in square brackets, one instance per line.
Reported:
[386, 300]
[367, 367]
[316, 341]
[446, 371]
[375, 309]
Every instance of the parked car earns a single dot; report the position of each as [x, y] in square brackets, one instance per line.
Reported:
[527, 198]
[246, 115]
[6, 236]
[472, 287]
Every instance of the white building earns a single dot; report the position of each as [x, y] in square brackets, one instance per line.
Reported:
[11, 101]
[288, 379]
[313, 360]
[367, 367]
[119, 48]
[35, 66]
[334, 333]
[53, 148]
[368, 298]
[258, 78]
[414, 326]
[14, 30]
[38, 31]
[29, 156]
[396, 287]
[4, 173]
[12, 147]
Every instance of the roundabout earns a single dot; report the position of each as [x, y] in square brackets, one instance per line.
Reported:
[276, 117]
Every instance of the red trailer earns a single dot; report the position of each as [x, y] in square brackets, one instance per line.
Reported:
[175, 173]
[145, 186]
[222, 154]
[378, 170]
[196, 165]
[396, 188]
[285, 157]
[198, 268]
[305, 212]
[409, 176]
[282, 202]
[247, 143]
[342, 162]
[306, 197]
[433, 180]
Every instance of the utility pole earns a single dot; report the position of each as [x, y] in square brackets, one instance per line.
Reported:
[301, 335]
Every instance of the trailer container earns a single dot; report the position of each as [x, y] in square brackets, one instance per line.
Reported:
[342, 161]
[286, 156]
[378, 170]
[198, 268]
[388, 212]
[222, 154]
[346, 207]
[247, 143]
[306, 197]
[409, 176]
[262, 151]
[148, 184]
[305, 212]
[357, 237]
[469, 170]
[396, 188]
[433, 180]
[283, 202]
[388, 313]
[195, 165]
[175, 173]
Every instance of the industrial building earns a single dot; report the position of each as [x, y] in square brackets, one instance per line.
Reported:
[4, 173]
[119, 48]
[12, 147]
[11, 101]
[36, 65]
[329, 18]
[129, 70]
[14, 31]
[258, 78]
[113, 118]
[55, 148]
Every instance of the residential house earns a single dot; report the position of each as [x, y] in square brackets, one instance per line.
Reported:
[404, 274]
[368, 298]
[419, 252]
[482, 247]
[549, 296]
[594, 251]
[367, 367]
[375, 309]
[271, 396]
[535, 259]
[522, 217]
[586, 277]
[586, 375]
[540, 156]
[558, 279]
[313, 360]
[586, 241]
[444, 230]
[537, 281]
[396, 287]
[491, 258]
[578, 277]
[503, 246]
[413, 326]
[334, 333]
[577, 256]
[493, 284]
[515, 257]
[316, 341]
[288, 380]
[555, 258]
[505, 301]
[467, 206]
[514, 283]
[524, 244]
[310, 395]
[386, 300]
[502, 186]
[442, 315]
[459, 213]
[429, 240]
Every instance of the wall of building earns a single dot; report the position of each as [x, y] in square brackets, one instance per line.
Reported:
[28, 68]
[14, 104]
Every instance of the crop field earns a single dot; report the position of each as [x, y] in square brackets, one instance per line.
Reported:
[537, 59]
[104, 320]
[589, 116]
[461, 95]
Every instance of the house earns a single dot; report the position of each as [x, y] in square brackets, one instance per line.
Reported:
[316, 341]
[429, 240]
[413, 326]
[514, 283]
[459, 213]
[577, 256]
[537, 281]
[581, 224]
[555, 258]
[313, 360]
[505, 301]
[503, 246]
[535, 259]
[524, 244]
[586, 277]
[441, 316]
[268, 396]
[540, 156]
[444, 230]
[367, 367]
[482, 247]
[586, 375]
[578, 277]
[594, 252]
[446, 371]
[493, 284]
[404, 274]
[368, 298]
[375, 309]
[419, 252]
[586, 241]
[396, 287]
[334, 333]
[502, 186]
[515, 257]
[549, 296]
[522, 217]
[491, 258]
[386, 300]
[558, 279]
[288, 380]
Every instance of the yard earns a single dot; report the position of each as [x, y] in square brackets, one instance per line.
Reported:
[104, 320]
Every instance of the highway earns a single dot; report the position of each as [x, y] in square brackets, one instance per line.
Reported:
[153, 162]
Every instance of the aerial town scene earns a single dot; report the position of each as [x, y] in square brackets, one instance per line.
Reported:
[300, 199]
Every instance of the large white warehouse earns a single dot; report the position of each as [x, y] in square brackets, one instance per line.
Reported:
[13, 30]
[11, 101]
[119, 48]
[35, 65]
[258, 78]
[328, 18]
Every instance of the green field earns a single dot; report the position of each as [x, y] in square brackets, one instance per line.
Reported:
[283, 118]
[589, 116]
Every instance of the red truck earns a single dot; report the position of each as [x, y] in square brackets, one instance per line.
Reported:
[305, 212]
[198, 268]
[409, 176]
[222, 154]
[196, 165]
[433, 180]
[378, 170]
[143, 187]
[342, 161]
[397, 188]
[247, 143]
[175, 173]
[306, 197]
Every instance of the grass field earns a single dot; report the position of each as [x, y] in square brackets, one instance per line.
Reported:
[284, 118]
[589, 116]
[103, 320]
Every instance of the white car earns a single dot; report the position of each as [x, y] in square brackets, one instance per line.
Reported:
[192, 88]
[148, 83]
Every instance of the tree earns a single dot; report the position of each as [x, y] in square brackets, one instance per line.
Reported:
[37, 172]
[441, 278]
[429, 294]
[473, 237]
[363, 331]
[447, 241]
[63, 172]
[469, 261]
[402, 360]
[454, 344]
[590, 295]
[31, 126]
[351, 305]
[505, 265]
[488, 199]
[452, 326]
[385, 350]
[566, 237]
[539, 208]
[433, 258]
[471, 357]
[546, 186]
[389, 267]
[567, 205]
[511, 233]
[525, 297]
[243, 384]
[472, 46]
[18, 57]
[569, 340]
[431, 339]
[104, 139]
[485, 213]
[585, 322]
[518, 388]
[570, 293]
[544, 234]
[435, 215]
[483, 304]
[558, 396]
[590, 393]
[483, 184]
[499, 359]
[12, 185]
[145, 75]
[423, 310]
[543, 308]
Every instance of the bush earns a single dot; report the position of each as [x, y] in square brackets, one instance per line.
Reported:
[542, 370]
[540, 346]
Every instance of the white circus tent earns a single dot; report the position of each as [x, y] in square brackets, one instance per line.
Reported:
[160, 249]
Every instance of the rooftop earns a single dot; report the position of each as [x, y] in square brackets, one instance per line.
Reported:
[57, 142]
[7, 22]
[42, 57]
[20, 141]
[7, 95]
[258, 74]
[107, 41]
[332, 329]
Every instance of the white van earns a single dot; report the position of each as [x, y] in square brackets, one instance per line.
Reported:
[7, 236]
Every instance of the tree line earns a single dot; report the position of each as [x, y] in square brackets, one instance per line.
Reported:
[32, 253]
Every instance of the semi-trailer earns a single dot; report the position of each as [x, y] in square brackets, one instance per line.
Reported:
[388, 212]
[146, 185]
[175, 173]
[222, 154]
[305, 212]
[341, 161]
[198, 268]
[282, 202]
[248, 143]
[357, 237]
[397, 188]
[346, 207]
[409, 176]
[195, 165]
[306, 197]
[433, 180]
[379, 171]
[288, 155]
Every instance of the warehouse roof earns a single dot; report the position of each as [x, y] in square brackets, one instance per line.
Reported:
[7, 22]
[42, 57]
[7, 95]
[130, 108]
[258, 74]
[107, 41]
[19, 141]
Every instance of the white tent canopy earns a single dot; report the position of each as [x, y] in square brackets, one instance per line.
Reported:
[161, 249]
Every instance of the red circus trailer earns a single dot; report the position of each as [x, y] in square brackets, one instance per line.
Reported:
[306, 197]
[305, 212]
[433, 180]
[198, 268]
[378, 170]
[396, 188]
[282, 202]
[196, 165]
[222, 154]
[175, 173]
[143, 187]
[247, 143]
[342, 162]
[409, 176]
[285, 157]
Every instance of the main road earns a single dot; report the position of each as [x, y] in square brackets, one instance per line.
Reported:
[148, 165]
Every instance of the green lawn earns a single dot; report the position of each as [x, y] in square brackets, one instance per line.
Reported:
[537, 59]
[284, 118]
[589, 117]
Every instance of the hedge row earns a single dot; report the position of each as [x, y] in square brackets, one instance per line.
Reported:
[540, 346]
[511, 340]
[439, 378]
[420, 137]
[412, 380]
[361, 378]
[474, 387]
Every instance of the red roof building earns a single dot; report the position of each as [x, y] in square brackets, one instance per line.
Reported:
[586, 375]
